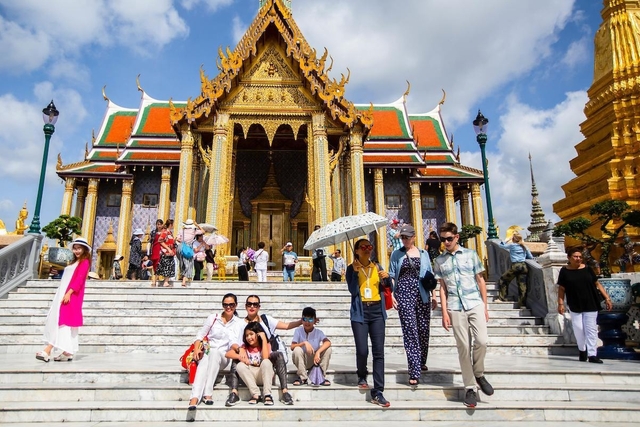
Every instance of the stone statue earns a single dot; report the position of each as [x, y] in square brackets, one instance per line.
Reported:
[630, 256]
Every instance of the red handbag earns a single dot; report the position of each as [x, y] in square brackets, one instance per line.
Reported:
[187, 360]
[388, 302]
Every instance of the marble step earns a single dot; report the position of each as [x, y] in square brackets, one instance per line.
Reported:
[332, 329]
[38, 392]
[196, 318]
[352, 423]
[122, 411]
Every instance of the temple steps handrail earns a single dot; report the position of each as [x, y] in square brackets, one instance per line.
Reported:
[19, 262]
[500, 261]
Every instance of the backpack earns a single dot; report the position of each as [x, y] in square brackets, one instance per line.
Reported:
[276, 342]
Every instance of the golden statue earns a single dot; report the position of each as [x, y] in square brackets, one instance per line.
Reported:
[221, 261]
[21, 226]
[3, 229]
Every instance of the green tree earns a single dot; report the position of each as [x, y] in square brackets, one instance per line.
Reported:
[468, 231]
[615, 213]
[63, 228]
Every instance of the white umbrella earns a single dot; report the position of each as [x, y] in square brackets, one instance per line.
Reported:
[345, 228]
[216, 239]
[208, 228]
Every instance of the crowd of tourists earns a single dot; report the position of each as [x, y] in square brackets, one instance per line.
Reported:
[253, 351]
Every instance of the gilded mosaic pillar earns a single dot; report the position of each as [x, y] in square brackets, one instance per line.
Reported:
[347, 197]
[164, 202]
[195, 188]
[81, 196]
[89, 214]
[229, 206]
[416, 213]
[254, 226]
[478, 219]
[311, 182]
[124, 222]
[183, 197]
[465, 210]
[216, 195]
[67, 199]
[246, 232]
[322, 170]
[449, 203]
[378, 194]
[357, 171]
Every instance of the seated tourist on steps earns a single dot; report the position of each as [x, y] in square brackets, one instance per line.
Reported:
[310, 346]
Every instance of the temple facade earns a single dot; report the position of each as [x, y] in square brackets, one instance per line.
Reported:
[268, 149]
[608, 159]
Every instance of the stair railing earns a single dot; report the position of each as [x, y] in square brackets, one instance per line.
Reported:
[19, 262]
[500, 261]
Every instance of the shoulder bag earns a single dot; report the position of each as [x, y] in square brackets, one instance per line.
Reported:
[428, 282]
[184, 249]
[187, 360]
[276, 342]
[386, 289]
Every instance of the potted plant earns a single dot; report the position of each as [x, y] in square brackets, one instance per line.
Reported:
[62, 229]
[467, 232]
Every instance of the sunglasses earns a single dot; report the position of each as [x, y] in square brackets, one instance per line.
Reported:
[406, 237]
[365, 247]
[308, 319]
[447, 239]
[252, 304]
[228, 305]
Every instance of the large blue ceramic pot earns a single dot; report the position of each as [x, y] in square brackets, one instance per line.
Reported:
[610, 322]
[60, 256]
[619, 290]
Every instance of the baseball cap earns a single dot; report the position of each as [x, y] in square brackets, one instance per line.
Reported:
[407, 230]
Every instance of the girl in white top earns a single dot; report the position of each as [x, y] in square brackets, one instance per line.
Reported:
[222, 331]
[261, 258]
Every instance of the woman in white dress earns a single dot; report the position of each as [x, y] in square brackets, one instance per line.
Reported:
[65, 314]
[261, 258]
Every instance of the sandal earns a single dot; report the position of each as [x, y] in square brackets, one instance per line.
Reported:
[254, 400]
[413, 382]
[42, 355]
[299, 381]
[424, 368]
[326, 383]
[268, 400]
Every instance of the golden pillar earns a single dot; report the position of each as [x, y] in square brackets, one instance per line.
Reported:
[195, 188]
[449, 203]
[164, 204]
[347, 197]
[478, 219]
[322, 170]
[465, 210]
[416, 213]
[231, 183]
[125, 220]
[67, 199]
[254, 225]
[357, 171]
[183, 202]
[215, 195]
[81, 196]
[89, 214]
[378, 195]
[311, 182]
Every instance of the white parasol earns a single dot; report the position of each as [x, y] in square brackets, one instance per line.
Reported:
[216, 239]
[345, 228]
[208, 228]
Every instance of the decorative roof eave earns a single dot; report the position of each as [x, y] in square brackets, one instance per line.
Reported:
[441, 172]
[313, 69]
[112, 110]
[156, 157]
[93, 170]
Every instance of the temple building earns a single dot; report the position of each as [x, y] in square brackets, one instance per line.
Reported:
[269, 148]
[607, 161]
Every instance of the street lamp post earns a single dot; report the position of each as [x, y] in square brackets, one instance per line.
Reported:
[50, 117]
[480, 127]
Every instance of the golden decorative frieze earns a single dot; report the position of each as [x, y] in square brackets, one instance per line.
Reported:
[271, 66]
[60, 167]
[261, 97]
[270, 124]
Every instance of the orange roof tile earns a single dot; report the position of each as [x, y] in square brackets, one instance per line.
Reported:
[427, 133]
[388, 122]
[119, 127]
[155, 120]
[151, 155]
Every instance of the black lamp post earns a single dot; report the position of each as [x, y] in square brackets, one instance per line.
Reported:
[50, 117]
[480, 127]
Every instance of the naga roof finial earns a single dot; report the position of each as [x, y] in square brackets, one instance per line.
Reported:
[104, 93]
[406, 92]
[444, 97]
[138, 84]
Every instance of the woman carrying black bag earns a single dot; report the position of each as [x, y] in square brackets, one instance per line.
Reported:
[413, 302]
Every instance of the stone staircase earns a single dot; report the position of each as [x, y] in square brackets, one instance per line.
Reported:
[128, 369]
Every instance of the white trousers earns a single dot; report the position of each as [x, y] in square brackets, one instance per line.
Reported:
[585, 329]
[207, 373]
[262, 275]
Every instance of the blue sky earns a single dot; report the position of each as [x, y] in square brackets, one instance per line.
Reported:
[526, 64]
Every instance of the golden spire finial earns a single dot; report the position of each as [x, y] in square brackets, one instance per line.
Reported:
[59, 163]
[104, 93]
[406, 93]
[86, 150]
[138, 84]
[444, 96]
[93, 136]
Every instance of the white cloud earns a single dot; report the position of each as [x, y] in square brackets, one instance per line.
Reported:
[577, 53]
[21, 49]
[211, 5]
[239, 28]
[7, 207]
[433, 45]
[550, 136]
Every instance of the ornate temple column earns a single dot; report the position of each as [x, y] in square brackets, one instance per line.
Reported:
[67, 199]
[216, 196]
[81, 195]
[293, 238]
[124, 222]
[449, 203]
[416, 213]
[254, 225]
[89, 214]
[322, 170]
[231, 191]
[164, 202]
[195, 189]
[347, 197]
[357, 171]
[183, 196]
[246, 233]
[378, 195]
[311, 181]
[465, 210]
[478, 219]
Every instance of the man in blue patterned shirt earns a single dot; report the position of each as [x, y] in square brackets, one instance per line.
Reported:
[464, 294]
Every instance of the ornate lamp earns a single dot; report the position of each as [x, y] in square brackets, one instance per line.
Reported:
[480, 125]
[50, 117]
